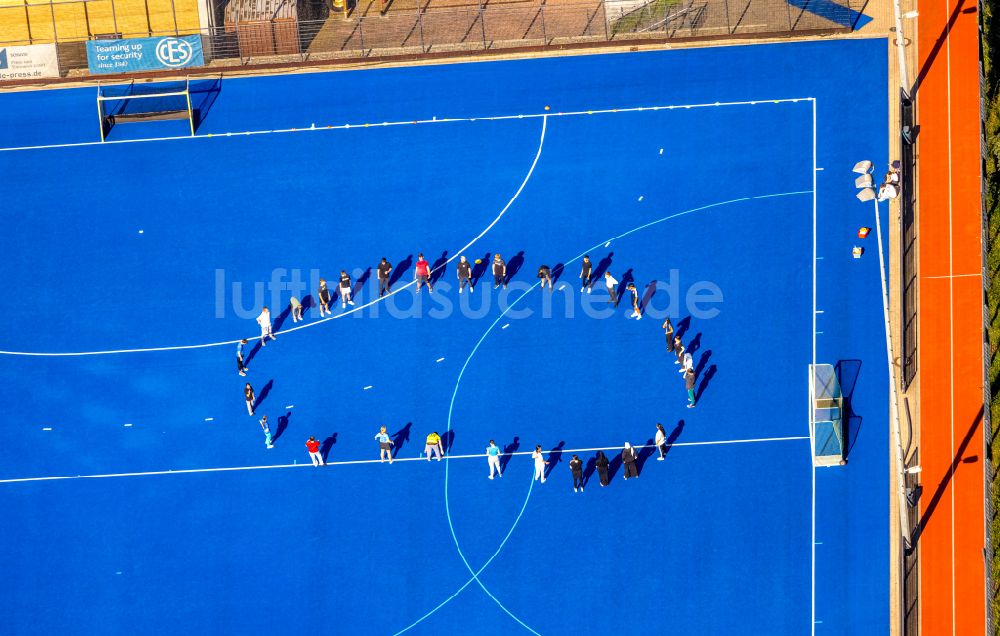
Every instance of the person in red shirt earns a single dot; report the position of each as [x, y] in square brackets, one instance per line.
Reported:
[423, 273]
[313, 446]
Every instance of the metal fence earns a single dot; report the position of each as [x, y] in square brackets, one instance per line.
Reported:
[426, 30]
[908, 244]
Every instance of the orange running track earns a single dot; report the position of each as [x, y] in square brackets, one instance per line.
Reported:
[951, 533]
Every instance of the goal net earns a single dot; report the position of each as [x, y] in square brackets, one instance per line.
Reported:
[826, 415]
[133, 102]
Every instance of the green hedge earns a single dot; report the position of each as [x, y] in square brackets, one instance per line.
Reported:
[991, 42]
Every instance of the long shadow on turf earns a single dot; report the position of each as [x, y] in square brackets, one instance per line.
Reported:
[263, 395]
[681, 327]
[478, 269]
[508, 450]
[399, 438]
[400, 269]
[439, 267]
[327, 446]
[282, 425]
[557, 273]
[447, 441]
[644, 454]
[555, 456]
[514, 265]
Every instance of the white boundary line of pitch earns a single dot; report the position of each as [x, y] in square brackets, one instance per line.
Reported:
[422, 458]
[434, 120]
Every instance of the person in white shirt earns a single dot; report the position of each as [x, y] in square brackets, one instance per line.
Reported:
[610, 282]
[687, 362]
[661, 441]
[539, 464]
[264, 320]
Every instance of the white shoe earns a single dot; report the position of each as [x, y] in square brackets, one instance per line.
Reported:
[638, 316]
[581, 488]
[543, 481]
[659, 459]
[351, 303]
[460, 290]
[588, 290]
[491, 476]
[576, 490]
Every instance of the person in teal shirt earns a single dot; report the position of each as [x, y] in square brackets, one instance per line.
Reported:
[493, 457]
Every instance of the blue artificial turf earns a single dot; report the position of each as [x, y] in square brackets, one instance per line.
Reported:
[717, 539]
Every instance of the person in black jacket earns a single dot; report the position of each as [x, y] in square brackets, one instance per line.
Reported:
[384, 269]
[628, 458]
[545, 276]
[602, 467]
[499, 272]
[464, 273]
[576, 466]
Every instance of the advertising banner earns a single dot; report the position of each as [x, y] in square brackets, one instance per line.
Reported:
[28, 62]
[144, 54]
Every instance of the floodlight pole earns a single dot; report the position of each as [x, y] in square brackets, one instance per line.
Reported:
[904, 81]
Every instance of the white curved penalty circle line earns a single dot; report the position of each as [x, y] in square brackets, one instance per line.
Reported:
[524, 182]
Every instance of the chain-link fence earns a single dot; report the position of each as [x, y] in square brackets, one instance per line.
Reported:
[372, 30]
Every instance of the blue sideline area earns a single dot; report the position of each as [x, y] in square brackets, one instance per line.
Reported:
[178, 242]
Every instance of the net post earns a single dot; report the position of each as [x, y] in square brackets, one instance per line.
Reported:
[100, 112]
[187, 96]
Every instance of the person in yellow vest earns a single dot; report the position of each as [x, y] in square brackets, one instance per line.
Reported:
[433, 446]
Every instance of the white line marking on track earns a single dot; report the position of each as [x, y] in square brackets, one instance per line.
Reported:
[949, 276]
[47, 428]
[367, 387]
[209, 419]
[289, 406]
[480, 456]
[439, 360]
[505, 326]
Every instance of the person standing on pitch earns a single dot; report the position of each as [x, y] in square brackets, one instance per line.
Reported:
[661, 441]
[628, 459]
[264, 320]
[635, 301]
[422, 273]
[585, 271]
[539, 464]
[345, 290]
[610, 282]
[576, 466]
[689, 380]
[384, 444]
[678, 350]
[499, 272]
[668, 330]
[324, 298]
[242, 368]
[602, 464]
[464, 272]
[687, 362]
[384, 268]
[545, 275]
[250, 397]
[433, 445]
[493, 457]
[296, 309]
[267, 432]
[312, 445]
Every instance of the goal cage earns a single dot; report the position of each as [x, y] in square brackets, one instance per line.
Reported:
[124, 103]
[826, 415]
